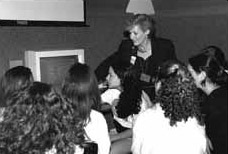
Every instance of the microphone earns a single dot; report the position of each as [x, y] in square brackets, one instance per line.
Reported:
[134, 50]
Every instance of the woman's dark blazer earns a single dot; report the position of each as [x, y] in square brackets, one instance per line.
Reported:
[163, 49]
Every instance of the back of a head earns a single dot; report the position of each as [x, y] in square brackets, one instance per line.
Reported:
[16, 79]
[146, 22]
[217, 53]
[121, 68]
[80, 88]
[37, 120]
[130, 98]
[212, 61]
[177, 95]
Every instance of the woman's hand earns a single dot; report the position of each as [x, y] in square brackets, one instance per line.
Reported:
[114, 104]
[209, 147]
[123, 135]
[114, 137]
[103, 85]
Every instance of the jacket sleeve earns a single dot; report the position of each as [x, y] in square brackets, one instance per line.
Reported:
[122, 54]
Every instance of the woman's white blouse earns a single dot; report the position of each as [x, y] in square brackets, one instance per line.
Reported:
[97, 130]
[152, 134]
[110, 95]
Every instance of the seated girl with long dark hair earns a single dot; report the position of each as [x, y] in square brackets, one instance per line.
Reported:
[38, 121]
[80, 89]
[13, 80]
[132, 101]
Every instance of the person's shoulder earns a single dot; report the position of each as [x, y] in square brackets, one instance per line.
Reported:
[125, 45]
[219, 95]
[97, 122]
[94, 112]
[96, 115]
[165, 48]
[152, 118]
[126, 41]
[223, 90]
[110, 91]
[147, 115]
[110, 95]
[192, 122]
[162, 40]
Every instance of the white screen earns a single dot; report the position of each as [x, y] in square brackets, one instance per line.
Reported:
[42, 10]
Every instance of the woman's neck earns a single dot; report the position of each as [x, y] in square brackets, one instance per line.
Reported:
[120, 88]
[210, 87]
[145, 46]
[117, 87]
[145, 49]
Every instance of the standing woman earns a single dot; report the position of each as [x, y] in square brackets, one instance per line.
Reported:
[151, 51]
[80, 88]
[209, 70]
[143, 49]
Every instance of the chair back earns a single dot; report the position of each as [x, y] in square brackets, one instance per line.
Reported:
[90, 148]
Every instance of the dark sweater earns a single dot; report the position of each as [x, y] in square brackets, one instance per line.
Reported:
[215, 110]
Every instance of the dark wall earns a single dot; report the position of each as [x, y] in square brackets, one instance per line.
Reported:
[192, 29]
[99, 40]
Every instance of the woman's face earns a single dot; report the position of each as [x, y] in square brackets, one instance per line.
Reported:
[138, 36]
[198, 78]
[112, 79]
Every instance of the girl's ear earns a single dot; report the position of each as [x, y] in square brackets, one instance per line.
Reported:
[202, 78]
[202, 75]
